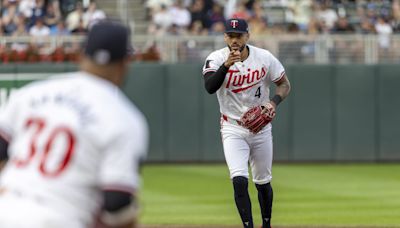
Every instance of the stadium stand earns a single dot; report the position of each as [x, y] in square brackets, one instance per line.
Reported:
[27, 26]
[310, 31]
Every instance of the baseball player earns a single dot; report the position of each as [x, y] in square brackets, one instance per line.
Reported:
[241, 75]
[73, 143]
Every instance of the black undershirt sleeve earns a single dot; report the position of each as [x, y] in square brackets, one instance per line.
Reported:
[214, 80]
[3, 149]
[116, 200]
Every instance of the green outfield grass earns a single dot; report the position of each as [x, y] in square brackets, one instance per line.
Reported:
[306, 194]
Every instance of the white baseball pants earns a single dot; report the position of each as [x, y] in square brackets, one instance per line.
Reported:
[241, 148]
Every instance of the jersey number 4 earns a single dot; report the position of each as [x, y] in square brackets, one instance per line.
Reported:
[56, 134]
[258, 92]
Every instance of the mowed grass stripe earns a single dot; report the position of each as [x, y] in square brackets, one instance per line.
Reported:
[187, 195]
[305, 194]
[337, 194]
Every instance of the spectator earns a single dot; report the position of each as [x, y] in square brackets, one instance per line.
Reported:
[229, 8]
[384, 31]
[216, 14]
[208, 5]
[300, 13]
[180, 15]
[396, 9]
[258, 23]
[9, 12]
[162, 20]
[396, 15]
[250, 4]
[314, 26]
[67, 6]
[175, 30]
[26, 7]
[21, 26]
[155, 5]
[366, 27]
[197, 14]
[218, 28]
[39, 29]
[197, 29]
[327, 15]
[93, 15]
[1, 29]
[293, 28]
[8, 8]
[80, 29]
[11, 27]
[38, 11]
[241, 11]
[20, 47]
[371, 15]
[53, 14]
[342, 26]
[75, 17]
[60, 29]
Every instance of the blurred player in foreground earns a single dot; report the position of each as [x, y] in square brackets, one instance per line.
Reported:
[73, 143]
[241, 75]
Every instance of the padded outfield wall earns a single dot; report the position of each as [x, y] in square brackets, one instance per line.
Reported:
[334, 112]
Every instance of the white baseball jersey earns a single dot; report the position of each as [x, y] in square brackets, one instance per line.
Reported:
[247, 83]
[71, 137]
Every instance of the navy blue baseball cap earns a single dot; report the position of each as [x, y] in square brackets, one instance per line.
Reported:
[236, 25]
[108, 41]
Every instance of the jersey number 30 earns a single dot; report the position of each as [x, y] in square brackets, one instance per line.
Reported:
[57, 133]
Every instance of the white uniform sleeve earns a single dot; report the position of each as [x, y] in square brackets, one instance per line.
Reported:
[213, 62]
[120, 165]
[8, 114]
[276, 69]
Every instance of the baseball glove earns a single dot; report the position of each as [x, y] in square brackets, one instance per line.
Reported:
[257, 117]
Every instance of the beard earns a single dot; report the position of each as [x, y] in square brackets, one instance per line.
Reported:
[241, 48]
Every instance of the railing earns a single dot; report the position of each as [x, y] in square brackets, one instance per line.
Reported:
[321, 49]
[49, 41]
[123, 10]
[40, 49]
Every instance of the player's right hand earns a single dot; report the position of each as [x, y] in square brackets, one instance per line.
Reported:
[234, 56]
[269, 110]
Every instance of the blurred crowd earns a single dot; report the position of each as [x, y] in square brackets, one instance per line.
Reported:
[205, 17]
[46, 17]
[42, 19]
[281, 17]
